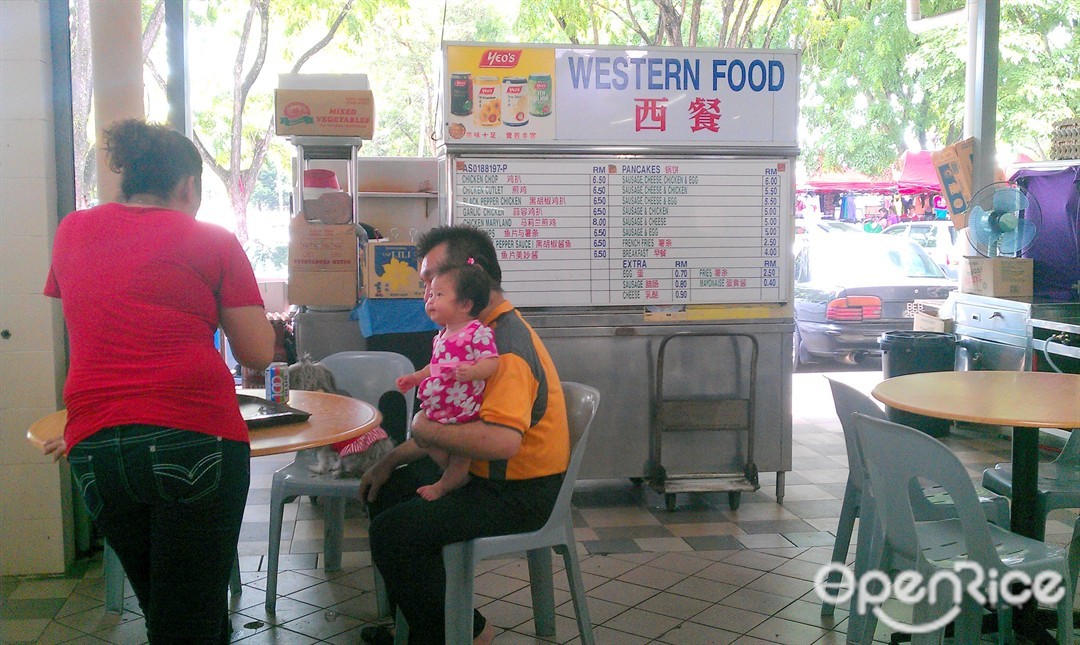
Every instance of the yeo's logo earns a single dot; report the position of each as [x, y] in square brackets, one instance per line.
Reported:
[500, 58]
[909, 588]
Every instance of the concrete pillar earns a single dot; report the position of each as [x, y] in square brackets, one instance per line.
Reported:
[116, 32]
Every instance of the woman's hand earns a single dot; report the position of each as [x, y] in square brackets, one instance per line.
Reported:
[250, 334]
[55, 447]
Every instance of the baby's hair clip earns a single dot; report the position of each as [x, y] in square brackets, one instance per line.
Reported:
[471, 261]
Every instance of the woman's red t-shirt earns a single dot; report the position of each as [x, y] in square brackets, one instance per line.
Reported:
[141, 290]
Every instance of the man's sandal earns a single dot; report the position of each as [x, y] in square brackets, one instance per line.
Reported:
[377, 635]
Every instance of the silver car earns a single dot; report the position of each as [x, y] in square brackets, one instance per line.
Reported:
[938, 237]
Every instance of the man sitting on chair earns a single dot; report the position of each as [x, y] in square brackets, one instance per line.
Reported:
[520, 449]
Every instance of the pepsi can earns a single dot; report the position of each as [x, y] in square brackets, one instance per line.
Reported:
[277, 382]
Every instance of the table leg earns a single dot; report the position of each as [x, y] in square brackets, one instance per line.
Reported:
[1025, 519]
[1025, 474]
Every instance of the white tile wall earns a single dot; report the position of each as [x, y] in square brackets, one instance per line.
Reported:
[24, 30]
[23, 317]
[32, 504]
[25, 264]
[29, 204]
[22, 147]
[31, 101]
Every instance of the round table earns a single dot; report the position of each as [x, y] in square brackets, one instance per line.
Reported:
[333, 418]
[1026, 401]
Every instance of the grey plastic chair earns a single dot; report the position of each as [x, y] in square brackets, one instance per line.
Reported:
[363, 375]
[459, 560]
[895, 456]
[115, 580]
[1058, 487]
[933, 504]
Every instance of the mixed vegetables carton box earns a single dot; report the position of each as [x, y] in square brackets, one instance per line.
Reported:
[332, 105]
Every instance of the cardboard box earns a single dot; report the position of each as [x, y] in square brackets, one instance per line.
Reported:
[274, 295]
[928, 317]
[332, 113]
[955, 168]
[331, 208]
[391, 271]
[997, 277]
[323, 263]
[929, 322]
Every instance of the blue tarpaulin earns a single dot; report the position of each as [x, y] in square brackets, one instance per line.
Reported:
[392, 316]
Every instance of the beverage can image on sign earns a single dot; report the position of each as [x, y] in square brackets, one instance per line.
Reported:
[461, 94]
[487, 104]
[540, 94]
[515, 101]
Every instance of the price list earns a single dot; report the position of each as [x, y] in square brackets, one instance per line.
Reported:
[616, 231]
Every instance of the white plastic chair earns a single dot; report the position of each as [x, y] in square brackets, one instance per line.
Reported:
[1058, 487]
[895, 456]
[363, 375]
[115, 579]
[459, 559]
[934, 504]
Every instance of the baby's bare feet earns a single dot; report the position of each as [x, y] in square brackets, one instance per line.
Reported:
[431, 492]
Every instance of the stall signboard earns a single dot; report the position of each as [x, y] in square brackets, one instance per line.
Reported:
[548, 95]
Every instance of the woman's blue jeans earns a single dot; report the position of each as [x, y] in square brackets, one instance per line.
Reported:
[170, 503]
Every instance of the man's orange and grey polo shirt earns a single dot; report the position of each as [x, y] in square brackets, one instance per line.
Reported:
[524, 394]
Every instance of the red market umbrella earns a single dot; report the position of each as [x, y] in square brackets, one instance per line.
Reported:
[917, 174]
[847, 182]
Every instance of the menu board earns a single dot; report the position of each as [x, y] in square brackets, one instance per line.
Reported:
[583, 231]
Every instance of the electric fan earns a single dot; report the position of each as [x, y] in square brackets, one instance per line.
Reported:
[1000, 221]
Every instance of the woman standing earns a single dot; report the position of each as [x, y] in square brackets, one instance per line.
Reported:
[154, 435]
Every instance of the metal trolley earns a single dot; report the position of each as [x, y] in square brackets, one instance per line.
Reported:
[703, 413]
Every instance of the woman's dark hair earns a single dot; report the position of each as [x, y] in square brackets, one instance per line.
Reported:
[463, 242]
[470, 283]
[151, 158]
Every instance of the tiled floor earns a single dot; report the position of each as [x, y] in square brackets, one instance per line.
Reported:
[701, 574]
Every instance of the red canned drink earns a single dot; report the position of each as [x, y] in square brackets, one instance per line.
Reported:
[277, 382]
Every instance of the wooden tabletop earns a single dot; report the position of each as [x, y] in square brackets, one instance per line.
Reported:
[1024, 399]
[333, 418]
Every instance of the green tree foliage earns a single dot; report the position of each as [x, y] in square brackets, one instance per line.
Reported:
[235, 134]
[862, 84]
[678, 23]
[399, 54]
[1039, 71]
[870, 87]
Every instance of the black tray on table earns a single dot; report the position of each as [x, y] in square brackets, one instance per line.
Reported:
[262, 413]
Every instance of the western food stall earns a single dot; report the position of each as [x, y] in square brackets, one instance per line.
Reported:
[640, 198]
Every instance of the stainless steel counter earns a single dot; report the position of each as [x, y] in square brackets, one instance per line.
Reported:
[997, 334]
[616, 353]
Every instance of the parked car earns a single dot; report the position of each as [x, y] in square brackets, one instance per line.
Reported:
[939, 238]
[850, 289]
[825, 225]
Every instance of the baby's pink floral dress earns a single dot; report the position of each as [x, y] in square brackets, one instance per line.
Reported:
[444, 398]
